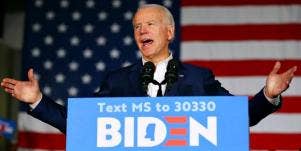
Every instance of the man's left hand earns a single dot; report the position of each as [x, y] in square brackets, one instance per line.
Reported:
[277, 83]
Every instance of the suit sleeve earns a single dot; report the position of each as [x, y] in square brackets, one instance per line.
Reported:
[105, 88]
[213, 87]
[51, 113]
[259, 106]
[56, 115]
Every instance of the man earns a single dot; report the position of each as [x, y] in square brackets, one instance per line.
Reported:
[153, 30]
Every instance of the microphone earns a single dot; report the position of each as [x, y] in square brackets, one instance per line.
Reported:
[171, 75]
[147, 74]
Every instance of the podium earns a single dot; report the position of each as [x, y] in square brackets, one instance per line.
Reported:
[161, 123]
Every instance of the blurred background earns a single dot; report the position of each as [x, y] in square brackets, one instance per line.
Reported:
[11, 39]
[72, 43]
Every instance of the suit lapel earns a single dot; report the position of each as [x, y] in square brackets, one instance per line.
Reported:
[134, 78]
[177, 86]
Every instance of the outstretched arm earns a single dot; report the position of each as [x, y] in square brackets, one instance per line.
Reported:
[29, 92]
[276, 83]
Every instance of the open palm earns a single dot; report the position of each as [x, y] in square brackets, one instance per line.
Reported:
[277, 83]
[25, 91]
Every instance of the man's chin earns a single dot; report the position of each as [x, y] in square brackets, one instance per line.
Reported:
[147, 56]
[147, 53]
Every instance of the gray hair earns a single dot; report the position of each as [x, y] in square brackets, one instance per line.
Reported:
[167, 14]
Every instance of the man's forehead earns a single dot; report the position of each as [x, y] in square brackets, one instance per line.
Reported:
[148, 14]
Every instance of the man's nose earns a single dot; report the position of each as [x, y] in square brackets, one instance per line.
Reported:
[143, 30]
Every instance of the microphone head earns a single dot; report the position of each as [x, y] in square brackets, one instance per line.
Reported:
[171, 75]
[172, 70]
[147, 74]
[148, 71]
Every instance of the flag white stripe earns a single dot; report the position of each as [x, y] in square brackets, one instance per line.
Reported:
[279, 123]
[226, 50]
[31, 124]
[251, 85]
[241, 15]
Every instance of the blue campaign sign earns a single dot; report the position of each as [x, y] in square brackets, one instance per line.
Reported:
[161, 123]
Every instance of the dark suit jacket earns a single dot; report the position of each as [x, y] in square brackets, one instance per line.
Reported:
[192, 81]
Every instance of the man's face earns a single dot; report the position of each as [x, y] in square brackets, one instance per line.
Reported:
[152, 34]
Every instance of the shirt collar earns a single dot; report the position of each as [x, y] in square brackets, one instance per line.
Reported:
[165, 61]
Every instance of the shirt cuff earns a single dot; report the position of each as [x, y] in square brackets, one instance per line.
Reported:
[34, 105]
[275, 101]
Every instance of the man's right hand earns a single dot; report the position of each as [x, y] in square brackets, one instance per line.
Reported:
[25, 91]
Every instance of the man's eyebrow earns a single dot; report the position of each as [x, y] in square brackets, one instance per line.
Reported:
[139, 23]
[151, 21]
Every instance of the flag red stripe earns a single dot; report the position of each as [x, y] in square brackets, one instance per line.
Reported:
[291, 105]
[241, 32]
[275, 141]
[245, 67]
[36, 140]
[236, 2]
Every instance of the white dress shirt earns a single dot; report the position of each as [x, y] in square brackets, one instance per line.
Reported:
[159, 76]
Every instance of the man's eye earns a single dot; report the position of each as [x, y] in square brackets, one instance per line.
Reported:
[137, 27]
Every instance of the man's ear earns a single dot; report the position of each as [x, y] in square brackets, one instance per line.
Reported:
[170, 32]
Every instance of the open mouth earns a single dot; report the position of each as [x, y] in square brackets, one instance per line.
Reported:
[147, 42]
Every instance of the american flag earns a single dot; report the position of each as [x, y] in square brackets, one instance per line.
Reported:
[71, 44]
